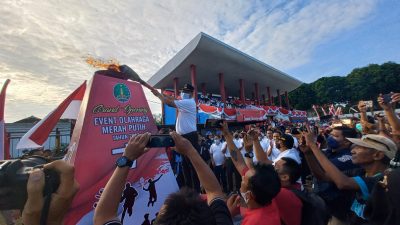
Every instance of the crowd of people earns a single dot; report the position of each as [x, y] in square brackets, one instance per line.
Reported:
[272, 175]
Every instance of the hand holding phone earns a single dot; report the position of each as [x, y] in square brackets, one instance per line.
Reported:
[160, 140]
[387, 98]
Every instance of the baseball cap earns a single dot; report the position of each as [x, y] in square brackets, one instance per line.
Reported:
[377, 142]
[188, 88]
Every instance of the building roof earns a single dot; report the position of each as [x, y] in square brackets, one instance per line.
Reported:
[211, 57]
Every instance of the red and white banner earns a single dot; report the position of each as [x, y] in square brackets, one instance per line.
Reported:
[68, 109]
[112, 110]
[4, 151]
[249, 114]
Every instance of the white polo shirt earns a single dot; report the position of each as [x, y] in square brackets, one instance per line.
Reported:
[216, 152]
[186, 120]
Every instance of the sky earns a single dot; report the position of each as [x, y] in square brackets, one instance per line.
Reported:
[43, 43]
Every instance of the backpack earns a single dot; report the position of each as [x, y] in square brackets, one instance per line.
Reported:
[314, 211]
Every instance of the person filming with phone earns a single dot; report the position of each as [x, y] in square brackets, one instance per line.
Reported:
[185, 126]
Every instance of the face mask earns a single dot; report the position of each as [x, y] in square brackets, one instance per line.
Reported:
[332, 142]
[243, 194]
[217, 142]
[185, 95]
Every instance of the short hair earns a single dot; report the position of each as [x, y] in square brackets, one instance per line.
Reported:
[347, 132]
[185, 207]
[292, 168]
[264, 184]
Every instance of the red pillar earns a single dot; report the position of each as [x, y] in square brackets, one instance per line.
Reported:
[193, 77]
[176, 80]
[222, 87]
[257, 94]
[287, 100]
[162, 109]
[242, 96]
[203, 89]
[269, 96]
[278, 92]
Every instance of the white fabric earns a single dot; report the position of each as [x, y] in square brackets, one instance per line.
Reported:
[290, 153]
[238, 143]
[186, 120]
[216, 152]
[265, 143]
[295, 142]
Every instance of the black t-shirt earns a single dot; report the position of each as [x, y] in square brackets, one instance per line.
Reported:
[218, 208]
[221, 212]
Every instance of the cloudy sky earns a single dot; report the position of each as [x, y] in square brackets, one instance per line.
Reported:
[43, 43]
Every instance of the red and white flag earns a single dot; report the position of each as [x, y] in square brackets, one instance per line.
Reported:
[3, 150]
[68, 109]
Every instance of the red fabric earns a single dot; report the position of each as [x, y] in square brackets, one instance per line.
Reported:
[289, 206]
[267, 215]
[208, 109]
[41, 134]
[230, 112]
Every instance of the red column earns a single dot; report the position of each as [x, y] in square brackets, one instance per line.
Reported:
[203, 89]
[257, 94]
[269, 96]
[242, 96]
[176, 80]
[193, 77]
[287, 100]
[162, 109]
[222, 87]
[278, 92]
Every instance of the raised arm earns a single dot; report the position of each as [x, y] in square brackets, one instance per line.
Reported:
[341, 180]
[261, 156]
[206, 176]
[236, 156]
[170, 101]
[106, 209]
[389, 111]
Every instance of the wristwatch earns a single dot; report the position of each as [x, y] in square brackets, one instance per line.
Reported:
[123, 161]
[249, 155]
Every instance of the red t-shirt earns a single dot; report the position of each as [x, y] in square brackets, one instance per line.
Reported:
[289, 206]
[267, 215]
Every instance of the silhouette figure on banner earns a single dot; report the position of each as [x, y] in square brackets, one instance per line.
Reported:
[154, 220]
[146, 219]
[152, 190]
[129, 196]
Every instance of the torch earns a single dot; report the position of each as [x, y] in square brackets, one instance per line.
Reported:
[132, 75]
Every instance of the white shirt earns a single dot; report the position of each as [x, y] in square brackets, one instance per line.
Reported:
[186, 120]
[290, 153]
[238, 143]
[216, 152]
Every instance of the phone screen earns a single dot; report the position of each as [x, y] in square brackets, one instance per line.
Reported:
[158, 141]
[213, 123]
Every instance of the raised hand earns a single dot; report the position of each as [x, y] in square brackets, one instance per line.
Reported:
[182, 145]
[362, 107]
[137, 146]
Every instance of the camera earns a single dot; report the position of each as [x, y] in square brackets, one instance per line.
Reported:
[14, 176]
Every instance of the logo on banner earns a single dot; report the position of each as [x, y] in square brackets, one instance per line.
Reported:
[122, 93]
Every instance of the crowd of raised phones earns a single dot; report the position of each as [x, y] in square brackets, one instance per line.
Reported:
[272, 175]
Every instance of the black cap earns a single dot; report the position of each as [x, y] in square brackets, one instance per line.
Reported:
[287, 140]
[187, 88]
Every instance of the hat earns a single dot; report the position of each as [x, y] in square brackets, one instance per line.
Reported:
[377, 142]
[188, 88]
[287, 140]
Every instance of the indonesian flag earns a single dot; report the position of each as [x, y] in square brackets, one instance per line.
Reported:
[4, 151]
[68, 109]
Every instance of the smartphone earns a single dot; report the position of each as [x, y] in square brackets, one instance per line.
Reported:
[160, 140]
[368, 104]
[387, 98]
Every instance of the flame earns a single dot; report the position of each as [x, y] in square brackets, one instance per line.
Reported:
[111, 64]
